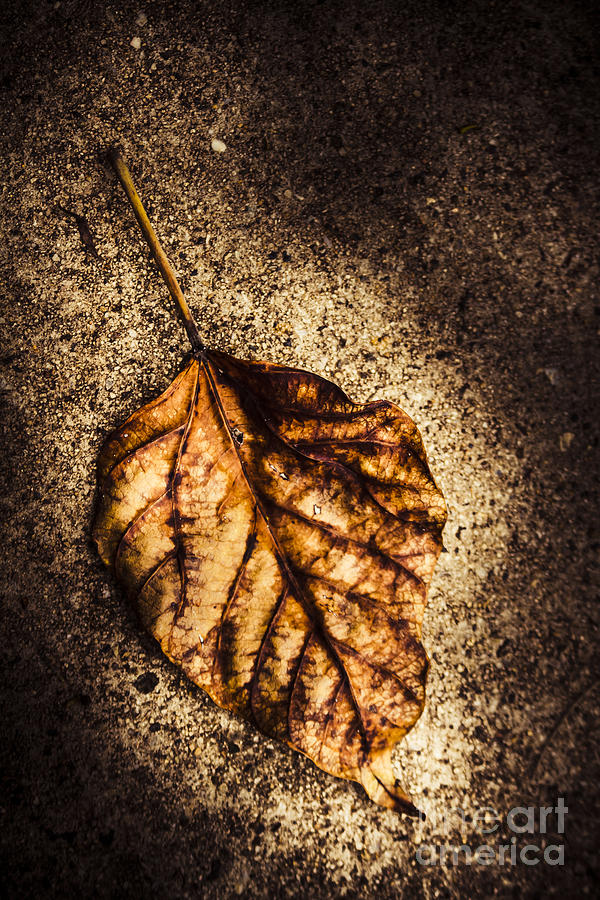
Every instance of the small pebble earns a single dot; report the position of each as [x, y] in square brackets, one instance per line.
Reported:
[136, 43]
[218, 146]
[146, 683]
[141, 20]
[552, 375]
[565, 440]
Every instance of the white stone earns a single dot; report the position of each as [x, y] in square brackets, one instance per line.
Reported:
[218, 146]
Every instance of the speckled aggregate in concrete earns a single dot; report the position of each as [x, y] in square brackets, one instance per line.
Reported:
[407, 204]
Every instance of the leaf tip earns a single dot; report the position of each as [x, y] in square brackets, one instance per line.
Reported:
[380, 783]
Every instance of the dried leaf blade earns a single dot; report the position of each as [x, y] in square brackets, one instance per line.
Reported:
[279, 572]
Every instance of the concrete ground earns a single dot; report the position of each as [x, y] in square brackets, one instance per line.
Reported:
[407, 204]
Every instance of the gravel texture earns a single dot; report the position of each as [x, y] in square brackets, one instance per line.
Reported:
[403, 198]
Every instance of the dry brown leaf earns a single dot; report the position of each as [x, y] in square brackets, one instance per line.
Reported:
[277, 540]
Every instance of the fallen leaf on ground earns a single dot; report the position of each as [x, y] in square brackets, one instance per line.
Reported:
[277, 540]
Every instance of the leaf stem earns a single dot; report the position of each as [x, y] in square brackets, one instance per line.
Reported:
[164, 266]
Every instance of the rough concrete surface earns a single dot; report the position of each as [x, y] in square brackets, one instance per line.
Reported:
[407, 204]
